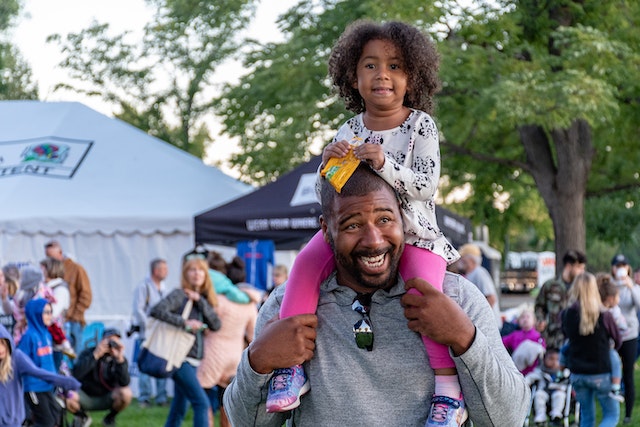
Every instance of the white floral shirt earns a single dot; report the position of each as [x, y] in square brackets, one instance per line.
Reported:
[412, 168]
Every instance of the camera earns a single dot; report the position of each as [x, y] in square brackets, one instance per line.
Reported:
[113, 344]
[132, 330]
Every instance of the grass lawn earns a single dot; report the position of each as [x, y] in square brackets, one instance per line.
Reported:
[155, 416]
[133, 416]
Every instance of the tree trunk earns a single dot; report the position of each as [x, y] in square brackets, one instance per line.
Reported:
[561, 179]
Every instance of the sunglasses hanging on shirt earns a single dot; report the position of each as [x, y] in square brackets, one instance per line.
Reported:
[362, 329]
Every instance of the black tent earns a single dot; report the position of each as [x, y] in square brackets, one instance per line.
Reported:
[286, 211]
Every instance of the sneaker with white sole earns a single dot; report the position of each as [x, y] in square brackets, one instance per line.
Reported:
[616, 395]
[285, 389]
[446, 412]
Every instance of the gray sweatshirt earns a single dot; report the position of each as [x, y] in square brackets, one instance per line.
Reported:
[393, 384]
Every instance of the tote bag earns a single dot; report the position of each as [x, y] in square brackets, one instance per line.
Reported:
[166, 346]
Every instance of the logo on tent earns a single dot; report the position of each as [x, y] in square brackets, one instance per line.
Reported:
[45, 157]
[46, 152]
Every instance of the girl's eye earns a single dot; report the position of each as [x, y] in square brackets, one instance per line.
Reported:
[369, 66]
[395, 67]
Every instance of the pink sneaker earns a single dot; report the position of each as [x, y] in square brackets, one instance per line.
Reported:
[446, 412]
[285, 389]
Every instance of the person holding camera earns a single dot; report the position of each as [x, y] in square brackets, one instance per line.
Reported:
[104, 373]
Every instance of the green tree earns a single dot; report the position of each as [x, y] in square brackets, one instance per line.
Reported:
[16, 81]
[539, 103]
[549, 92]
[163, 84]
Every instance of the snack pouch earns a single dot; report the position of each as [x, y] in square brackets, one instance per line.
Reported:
[338, 170]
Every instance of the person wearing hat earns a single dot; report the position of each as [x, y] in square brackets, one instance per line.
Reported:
[630, 306]
[471, 260]
[104, 373]
[30, 286]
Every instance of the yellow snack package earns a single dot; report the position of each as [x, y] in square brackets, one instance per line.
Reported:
[338, 170]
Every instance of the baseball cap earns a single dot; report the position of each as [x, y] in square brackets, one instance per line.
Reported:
[109, 332]
[619, 259]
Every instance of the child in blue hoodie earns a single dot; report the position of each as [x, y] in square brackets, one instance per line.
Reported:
[14, 367]
[36, 343]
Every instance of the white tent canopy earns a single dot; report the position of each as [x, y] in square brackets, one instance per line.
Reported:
[112, 195]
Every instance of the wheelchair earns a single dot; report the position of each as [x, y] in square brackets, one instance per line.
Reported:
[543, 397]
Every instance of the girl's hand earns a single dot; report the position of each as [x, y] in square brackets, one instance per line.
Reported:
[192, 295]
[336, 149]
[371, 154]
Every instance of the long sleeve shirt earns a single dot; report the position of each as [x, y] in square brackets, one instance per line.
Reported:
[169, 310]
[393, 384]
[145, 296]
[99, 377]
[12, 391]
[630, 306]
[79, 291]
[589, 354]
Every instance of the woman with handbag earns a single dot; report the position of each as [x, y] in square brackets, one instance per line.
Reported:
[196, 288]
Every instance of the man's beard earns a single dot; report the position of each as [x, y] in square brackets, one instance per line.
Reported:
[350, 263]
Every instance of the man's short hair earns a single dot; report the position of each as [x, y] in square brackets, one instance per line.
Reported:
[574, 256]
[363, 181]
[52, 244]
[155, 262]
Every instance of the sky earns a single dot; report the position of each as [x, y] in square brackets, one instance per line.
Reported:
[41, 18]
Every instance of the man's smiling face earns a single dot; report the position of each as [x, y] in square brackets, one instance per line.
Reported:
[367, 238]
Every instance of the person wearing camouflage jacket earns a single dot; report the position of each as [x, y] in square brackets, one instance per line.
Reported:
[552, 298]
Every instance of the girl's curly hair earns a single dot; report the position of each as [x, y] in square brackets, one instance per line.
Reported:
[419, 54]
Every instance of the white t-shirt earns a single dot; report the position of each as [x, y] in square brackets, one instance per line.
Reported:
[60, 291]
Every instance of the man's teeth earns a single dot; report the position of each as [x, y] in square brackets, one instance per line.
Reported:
[373, 261]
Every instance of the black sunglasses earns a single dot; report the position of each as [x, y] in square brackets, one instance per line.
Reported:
[362, 329]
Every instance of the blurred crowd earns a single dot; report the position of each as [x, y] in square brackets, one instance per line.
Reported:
[583, 331]
[53, 363]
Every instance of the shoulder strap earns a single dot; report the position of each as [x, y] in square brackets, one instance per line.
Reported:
[187, 309]
[146, 302]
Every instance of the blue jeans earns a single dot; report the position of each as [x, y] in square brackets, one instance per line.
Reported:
[187, 388]
[182, 405]
[214, 398]
[74, 335]
[616, 364]
[587, 388]
[145, 390]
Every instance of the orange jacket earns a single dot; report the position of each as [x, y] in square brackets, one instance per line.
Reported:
[79, 291]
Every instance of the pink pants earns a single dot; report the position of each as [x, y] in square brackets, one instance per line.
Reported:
[315, 262]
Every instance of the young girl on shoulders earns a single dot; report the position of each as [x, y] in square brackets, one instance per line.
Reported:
[387, 74]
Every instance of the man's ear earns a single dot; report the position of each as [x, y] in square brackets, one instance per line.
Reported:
[325, 229]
